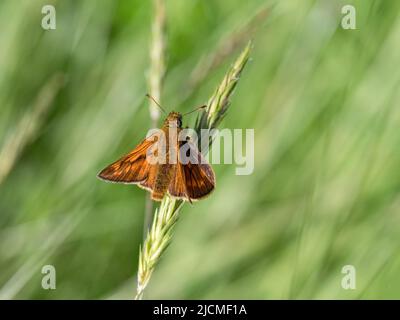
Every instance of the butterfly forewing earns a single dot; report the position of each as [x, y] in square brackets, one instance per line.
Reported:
[132, 168]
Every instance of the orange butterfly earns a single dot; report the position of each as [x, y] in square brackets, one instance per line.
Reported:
[189, 181]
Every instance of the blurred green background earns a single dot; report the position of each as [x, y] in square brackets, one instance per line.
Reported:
[324, 103]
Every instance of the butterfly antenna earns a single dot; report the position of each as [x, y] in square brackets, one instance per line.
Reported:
[155, 101]
[198, 108]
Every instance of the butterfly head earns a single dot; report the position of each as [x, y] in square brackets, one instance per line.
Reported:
[174, 120]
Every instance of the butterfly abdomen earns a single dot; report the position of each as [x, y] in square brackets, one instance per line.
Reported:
[164, 175]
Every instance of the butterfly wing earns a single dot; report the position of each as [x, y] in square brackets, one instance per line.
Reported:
[133, 167]
[177, 187]
[194, 180]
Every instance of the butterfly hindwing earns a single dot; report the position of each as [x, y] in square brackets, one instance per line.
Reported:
[193, 180]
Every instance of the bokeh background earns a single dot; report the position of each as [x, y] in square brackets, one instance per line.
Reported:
[324, 103]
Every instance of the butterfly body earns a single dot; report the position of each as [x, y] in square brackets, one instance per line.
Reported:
[190, 181]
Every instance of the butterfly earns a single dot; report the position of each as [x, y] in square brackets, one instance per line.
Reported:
[186, 180]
